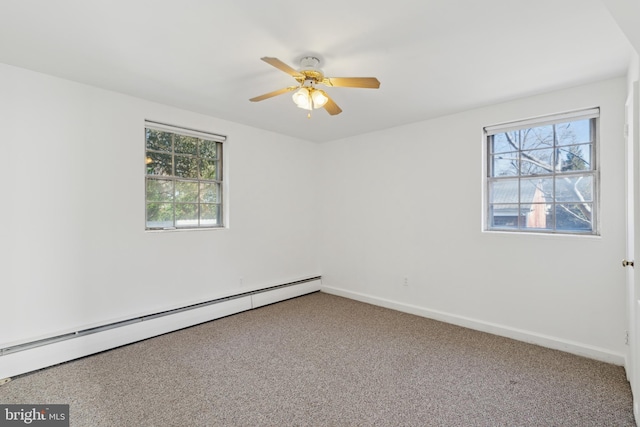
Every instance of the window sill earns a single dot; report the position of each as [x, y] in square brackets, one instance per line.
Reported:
[171, 230]
[542, 234]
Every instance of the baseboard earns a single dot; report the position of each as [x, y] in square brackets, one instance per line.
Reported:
[41, 356]
[260, 299]
[492, 328]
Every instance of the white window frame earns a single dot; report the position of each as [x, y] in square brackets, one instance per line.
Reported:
[218, 181]
[593, 114]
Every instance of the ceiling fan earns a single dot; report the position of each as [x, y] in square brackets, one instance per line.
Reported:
[307, 96]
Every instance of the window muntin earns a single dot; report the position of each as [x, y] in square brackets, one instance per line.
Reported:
[183, 178]
[542, 175]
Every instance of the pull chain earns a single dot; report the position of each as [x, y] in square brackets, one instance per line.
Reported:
[311, 104]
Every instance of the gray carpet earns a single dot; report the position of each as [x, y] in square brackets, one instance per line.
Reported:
[322, 360]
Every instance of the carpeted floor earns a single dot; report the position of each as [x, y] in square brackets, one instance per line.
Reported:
[322, 360]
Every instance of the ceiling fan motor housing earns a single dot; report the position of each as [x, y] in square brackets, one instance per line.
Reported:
[309, 62]
[309, 69]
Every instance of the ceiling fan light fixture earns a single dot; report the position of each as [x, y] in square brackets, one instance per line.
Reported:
[319, 98]
[302, 98]
[310, 98]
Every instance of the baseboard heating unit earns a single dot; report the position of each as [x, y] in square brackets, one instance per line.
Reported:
[31, 356]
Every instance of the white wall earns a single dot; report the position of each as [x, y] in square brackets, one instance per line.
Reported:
[74, 249]
[407, 202]
[633, 74]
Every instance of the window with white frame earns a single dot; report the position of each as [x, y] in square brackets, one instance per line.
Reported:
[542, 174]
[183, 178]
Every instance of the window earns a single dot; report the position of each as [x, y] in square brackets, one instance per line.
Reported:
[542, 174]
[183, 178]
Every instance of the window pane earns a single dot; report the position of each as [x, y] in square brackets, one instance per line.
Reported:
[536, 190]
[159, 215]
[158, 140]
[186, 167]
[538, 137]
[575, 157]
[503, 191]
[574, 188]
[574, 217]
[208, 169]
[209, 192]
[536, 162]
[500, 143]
[536, 216]
[159, 190]
[505, 164]
[159, 164]
[504, 216]
[183, 180]
[210, 215]
[186, 144]
[186, 215]
[186, 192]
[574, 132]
[208, 149]
[543, 177]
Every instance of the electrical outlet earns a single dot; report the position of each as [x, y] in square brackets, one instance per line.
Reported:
[406, 281]
[241, 281]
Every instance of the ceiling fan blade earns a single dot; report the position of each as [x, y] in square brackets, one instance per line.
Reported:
[331, 107]
[274, 93]
[363, 82]
[281, 66]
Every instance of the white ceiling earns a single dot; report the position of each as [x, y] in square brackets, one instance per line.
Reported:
[432, 57]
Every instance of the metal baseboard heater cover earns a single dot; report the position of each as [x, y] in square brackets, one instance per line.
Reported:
[145, 327]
